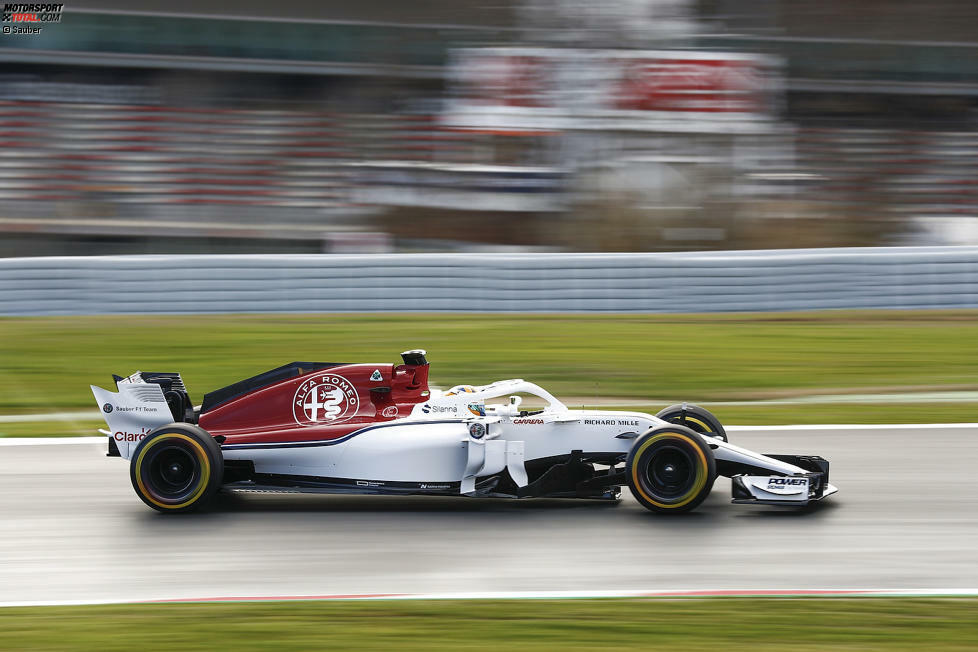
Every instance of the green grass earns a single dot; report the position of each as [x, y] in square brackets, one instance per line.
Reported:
[46, 364]
[716, 624]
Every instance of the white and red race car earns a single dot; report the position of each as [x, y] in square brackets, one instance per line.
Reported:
[379, 429]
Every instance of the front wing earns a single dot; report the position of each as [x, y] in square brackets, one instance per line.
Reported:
[788, 491]
[772, 479]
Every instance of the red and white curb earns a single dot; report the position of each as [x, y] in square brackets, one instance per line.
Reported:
[571, 595]
[533, 595]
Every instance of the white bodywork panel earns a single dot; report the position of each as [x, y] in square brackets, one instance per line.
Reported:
[405, 452]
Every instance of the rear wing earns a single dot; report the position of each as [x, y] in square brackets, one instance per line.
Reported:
[143, 402]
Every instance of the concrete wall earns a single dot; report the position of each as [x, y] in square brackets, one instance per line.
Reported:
[779, 280]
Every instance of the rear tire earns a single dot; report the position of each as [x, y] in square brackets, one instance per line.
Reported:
[177, 468]
[670, 469]
[695, 418]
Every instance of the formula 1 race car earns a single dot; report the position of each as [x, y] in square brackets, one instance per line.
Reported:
[378, 429]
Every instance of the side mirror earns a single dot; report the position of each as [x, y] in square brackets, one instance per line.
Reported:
[415, 357]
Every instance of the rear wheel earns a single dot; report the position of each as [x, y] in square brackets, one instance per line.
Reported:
[670, 469]
[695, 418]
[176, 468]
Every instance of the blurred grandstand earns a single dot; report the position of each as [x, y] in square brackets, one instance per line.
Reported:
[516, 125]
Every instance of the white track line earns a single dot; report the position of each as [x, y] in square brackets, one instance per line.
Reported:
[835, 399]
[534, 595]
[50, 416]
[51, 441]
[857, 426]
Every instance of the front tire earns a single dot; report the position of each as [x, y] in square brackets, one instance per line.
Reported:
[695, 418]
[176, 468]
[670, 469]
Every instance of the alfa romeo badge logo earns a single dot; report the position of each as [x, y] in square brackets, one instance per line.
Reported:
[324, 399]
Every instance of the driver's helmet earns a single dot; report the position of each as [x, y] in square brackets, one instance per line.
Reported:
[478, 408]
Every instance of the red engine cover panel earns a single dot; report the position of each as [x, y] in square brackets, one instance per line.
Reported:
[324, 404]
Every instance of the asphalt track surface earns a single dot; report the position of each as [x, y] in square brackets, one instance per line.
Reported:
[905, 518]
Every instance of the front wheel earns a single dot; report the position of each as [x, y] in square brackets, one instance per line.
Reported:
[670, 469]
[176, 468]
[695, 418]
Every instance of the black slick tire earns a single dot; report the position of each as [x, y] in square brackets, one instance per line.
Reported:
[176, 468]
[695, 418]
[670, 469]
